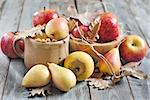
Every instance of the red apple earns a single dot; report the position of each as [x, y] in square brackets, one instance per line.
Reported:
[109, 29]
[76, 33]
[133, 48]
[43, 16]
[7, 44]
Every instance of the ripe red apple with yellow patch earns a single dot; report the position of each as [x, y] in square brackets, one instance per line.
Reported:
[109, 29]
[7, 44]
[133, 48]
[43, 16]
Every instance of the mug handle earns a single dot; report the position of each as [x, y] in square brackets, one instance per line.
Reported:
[16, 47]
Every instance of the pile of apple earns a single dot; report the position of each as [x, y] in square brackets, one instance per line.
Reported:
[79, 65]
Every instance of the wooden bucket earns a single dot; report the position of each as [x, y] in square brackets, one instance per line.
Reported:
[79, 45]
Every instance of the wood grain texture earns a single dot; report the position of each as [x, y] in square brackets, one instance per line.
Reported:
[142, 16]
[17, 69]
[10, 16]
[2, 3]
[30, 7]
[129, 13]
[89, 5]
[17, 15]
[7, 24]
[117, 92]
[141, 88]
[61, 6]
[140, 12]
[4, 63]
[80, 91]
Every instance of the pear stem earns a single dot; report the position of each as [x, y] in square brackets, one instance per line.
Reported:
[44, 8]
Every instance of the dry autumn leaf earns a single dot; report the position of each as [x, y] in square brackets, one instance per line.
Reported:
[131, 64]
[85, 18]
[41, 91]
[135, 73]
[71, 24]
[98, 83]
[116, 79]
[31, 32]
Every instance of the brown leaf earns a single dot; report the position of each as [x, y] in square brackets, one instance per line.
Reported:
[42, 91]
[135, 73]
[31, 32]
[131, 64]
[85, 18]
[98, 83]
[94, 31]
[71, 24]
[116, 79]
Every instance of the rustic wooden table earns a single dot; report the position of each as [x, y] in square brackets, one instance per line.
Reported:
[16, 15]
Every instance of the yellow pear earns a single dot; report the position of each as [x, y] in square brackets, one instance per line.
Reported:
[63, 78]
[57, 28]
[37, 76]
[81, 64]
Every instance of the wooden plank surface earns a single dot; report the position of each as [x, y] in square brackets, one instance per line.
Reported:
[128, 16]
[30, 7]
[7, 24]
[141, 89]
[118, 91]
[140, 12]
[142, 16]
[130, 13]
[80, 91]
[3, 62]
[2, 3]
[17, 69]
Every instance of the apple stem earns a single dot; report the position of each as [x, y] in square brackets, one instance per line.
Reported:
[44, 8]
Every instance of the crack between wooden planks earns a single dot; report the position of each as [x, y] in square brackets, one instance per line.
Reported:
[142, 33]
[89, 92]
[106, 10]
[20, 15]
[1, 8]
[76, 6]
[10, 59]
[130, 88]
[140, 29]
[6, 78]
[104, 6]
